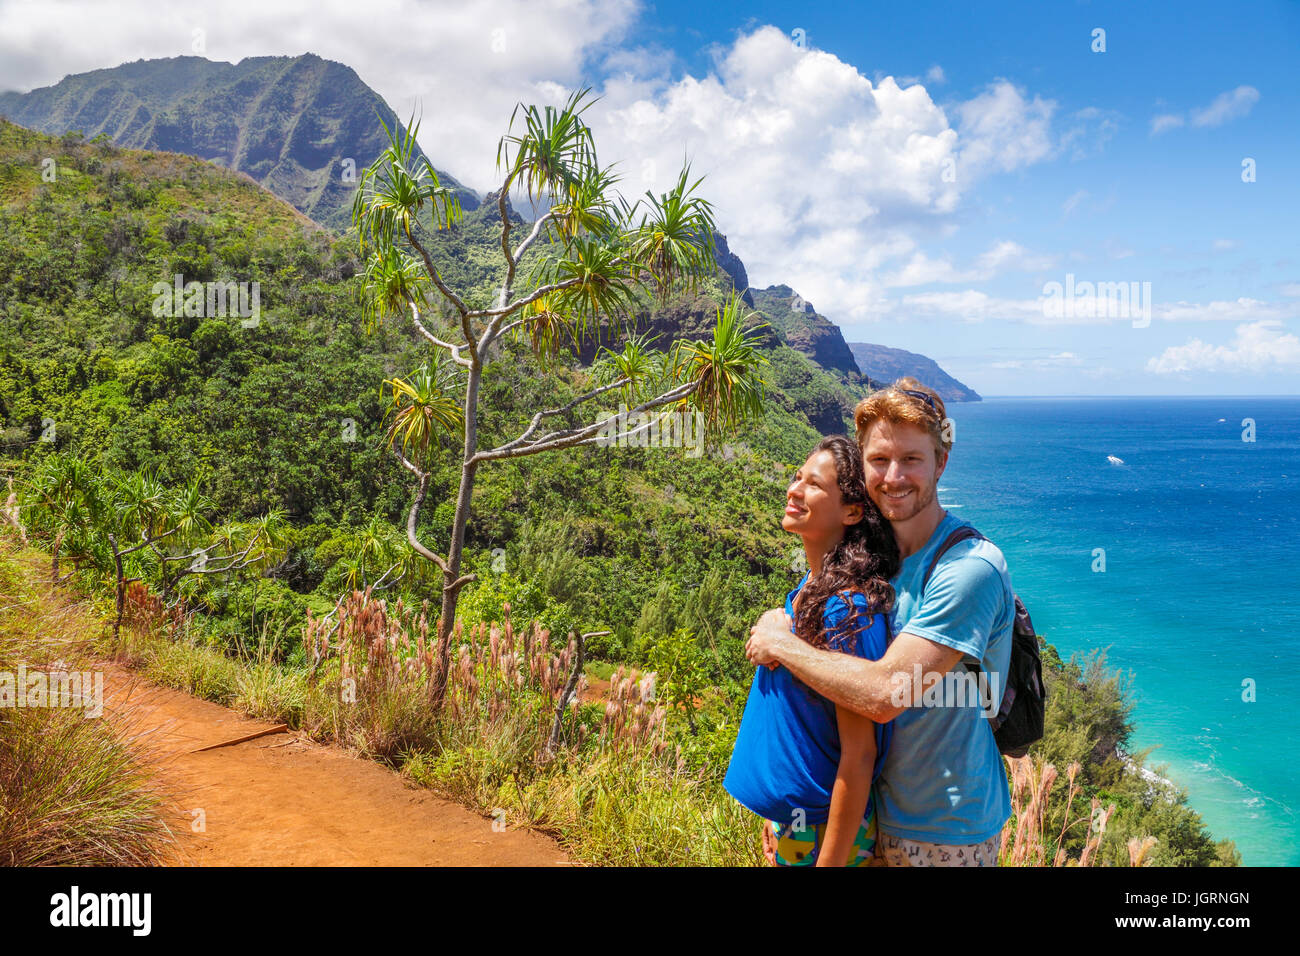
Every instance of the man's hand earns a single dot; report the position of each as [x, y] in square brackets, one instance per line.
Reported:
[769, 637]
[769, 843]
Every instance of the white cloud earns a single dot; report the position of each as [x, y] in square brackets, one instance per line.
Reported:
[969, 305]
[1257, 347]
[933, 77]
[1057, 360]
[1226, 106]
[820, 177]
[1094, 308]
[1231, 105]
[1224, 245]
[1001, 130]
[1227, 310]
[1006, 256]
[1117, 250]
[1003, 256]
[1087, 132]
[1164, 122]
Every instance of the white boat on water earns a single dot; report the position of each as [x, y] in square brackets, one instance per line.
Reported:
[1114, 461]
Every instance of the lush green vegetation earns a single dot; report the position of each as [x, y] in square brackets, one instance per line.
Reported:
[673, 555]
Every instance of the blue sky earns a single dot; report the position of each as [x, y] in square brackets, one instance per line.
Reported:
[920, 172]
[1118, 203]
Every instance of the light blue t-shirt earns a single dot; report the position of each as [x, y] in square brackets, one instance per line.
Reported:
[943, 780]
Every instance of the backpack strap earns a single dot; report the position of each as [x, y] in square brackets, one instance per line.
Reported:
[961, 534]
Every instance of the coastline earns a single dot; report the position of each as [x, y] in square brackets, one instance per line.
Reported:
[1150, 776]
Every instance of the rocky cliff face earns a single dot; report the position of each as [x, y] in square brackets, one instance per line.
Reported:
[805, 330]
[730, 263]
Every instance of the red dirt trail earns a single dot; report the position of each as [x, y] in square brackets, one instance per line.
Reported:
[285, 800]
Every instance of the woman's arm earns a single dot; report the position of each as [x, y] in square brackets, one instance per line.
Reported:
[852, 786]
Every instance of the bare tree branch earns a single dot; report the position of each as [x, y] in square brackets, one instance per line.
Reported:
[532, 237]
[587, 435]
[452, 297]
[435, 275]
[236, 562]
[454, 349]
[147, 542]
[526, 300]
[537, 419]
[381, 586]
[570, 689]
[421, 489]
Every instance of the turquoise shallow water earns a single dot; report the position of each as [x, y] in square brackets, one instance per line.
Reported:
[1199, 594]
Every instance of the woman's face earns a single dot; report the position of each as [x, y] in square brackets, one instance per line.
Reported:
[814, 507]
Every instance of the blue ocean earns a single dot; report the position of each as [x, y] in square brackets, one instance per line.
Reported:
[1194, 504]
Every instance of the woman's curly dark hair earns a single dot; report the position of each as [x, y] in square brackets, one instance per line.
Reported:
[864, 560]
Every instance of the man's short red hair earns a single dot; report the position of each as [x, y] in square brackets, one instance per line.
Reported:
[894, 405]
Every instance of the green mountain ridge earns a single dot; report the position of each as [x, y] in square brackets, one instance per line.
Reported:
[296, 125]
[290, 123]
[810, 332]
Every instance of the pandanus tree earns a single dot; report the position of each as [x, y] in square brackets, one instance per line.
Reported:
[65, 499]
[133, 527]
[594, 256]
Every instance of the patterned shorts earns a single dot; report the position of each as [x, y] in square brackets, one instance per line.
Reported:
[799, 846]
[900, 852]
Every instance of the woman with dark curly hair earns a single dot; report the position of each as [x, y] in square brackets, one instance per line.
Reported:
[802, 763]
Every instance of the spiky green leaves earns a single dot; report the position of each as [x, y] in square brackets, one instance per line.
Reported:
[553, 152]
[586, 206]
[648, 372]
[392, 282]
[141, 502]
[729, 387]
[393, 192]
[673, 242]
[395, 188]
[598, 285]
[421, 409]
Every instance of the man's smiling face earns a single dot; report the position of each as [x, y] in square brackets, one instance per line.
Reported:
[903, 469]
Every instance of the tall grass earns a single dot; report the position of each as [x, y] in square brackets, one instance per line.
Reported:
[74, 790]
[1032, 837]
